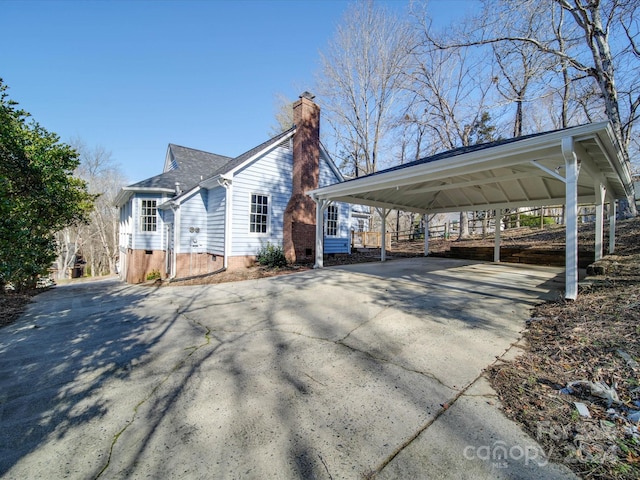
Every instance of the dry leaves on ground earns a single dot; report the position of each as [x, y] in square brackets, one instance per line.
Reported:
[595, 338]
[12, 305]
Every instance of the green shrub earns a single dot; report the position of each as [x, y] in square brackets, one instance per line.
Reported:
[533, 220]
[271, 256]
[153, 275]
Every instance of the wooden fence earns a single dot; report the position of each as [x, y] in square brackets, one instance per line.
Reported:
[533, 217]
[369, 239]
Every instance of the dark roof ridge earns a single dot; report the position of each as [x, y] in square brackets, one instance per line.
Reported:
[445, 154]
[266, 143]
[240, 159]
[198, 150]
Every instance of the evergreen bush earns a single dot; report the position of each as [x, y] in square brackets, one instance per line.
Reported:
[271, 256]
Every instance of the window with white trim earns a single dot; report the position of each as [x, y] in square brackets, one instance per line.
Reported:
[148, 216]
[332, 221]
[259, 218]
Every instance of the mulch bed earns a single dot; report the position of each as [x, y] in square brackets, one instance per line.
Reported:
[13, 304]
[595, 338]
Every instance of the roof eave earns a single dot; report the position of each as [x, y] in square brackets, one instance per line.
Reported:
[126, 193]
[215, 181]
[493, 154]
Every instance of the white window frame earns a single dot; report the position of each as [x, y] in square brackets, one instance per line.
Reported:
[252, 213]
[333, 224]
[143, 215]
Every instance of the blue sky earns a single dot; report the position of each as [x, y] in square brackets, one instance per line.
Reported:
[134, 76]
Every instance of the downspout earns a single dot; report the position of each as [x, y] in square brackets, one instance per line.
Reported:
[176, 239]
[228, 185]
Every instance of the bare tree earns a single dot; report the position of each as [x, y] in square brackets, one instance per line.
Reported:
[99, 243]
[521, 68]
[67, 250]
[608, 53]
[452, 91]
[283, 115]
[362, 71]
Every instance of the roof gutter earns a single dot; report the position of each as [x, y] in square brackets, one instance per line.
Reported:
[228, 224]
[215, 181]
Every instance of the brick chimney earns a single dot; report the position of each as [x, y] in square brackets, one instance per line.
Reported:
[300, 214]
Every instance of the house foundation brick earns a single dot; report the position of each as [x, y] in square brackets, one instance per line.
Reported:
[141, 263]
[241, 261]
[304, 241]
[192, 264]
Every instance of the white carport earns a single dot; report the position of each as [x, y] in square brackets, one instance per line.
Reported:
[572, 166]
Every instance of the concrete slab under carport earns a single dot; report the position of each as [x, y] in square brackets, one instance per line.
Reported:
[337, 373]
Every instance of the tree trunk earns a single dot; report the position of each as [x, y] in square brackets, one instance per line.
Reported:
[464, 225]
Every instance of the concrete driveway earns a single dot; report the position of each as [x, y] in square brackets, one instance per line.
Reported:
[363, 370]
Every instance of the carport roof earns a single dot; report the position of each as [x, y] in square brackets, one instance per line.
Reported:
[524, 171]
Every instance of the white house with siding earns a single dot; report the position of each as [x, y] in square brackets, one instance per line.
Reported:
[207, 212]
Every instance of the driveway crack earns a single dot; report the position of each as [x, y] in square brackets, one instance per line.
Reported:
[444, 407]
[390, 362]
[364, 323]
[192, 350]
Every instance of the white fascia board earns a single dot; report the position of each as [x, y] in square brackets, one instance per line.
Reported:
[259, 154]
[514, 153]
[460, 165]
[126, 192]
[617, 162]
[332, 165]
[122, 197]
[185, 196]
[216, 181]
[620, 174]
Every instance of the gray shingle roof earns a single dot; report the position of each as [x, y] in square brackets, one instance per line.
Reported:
[459, 151]
[240, 159]
[191, 167]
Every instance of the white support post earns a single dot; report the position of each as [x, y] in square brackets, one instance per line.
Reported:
[571, 262]
[600, 193]
[383, 232]
[426, 234]
[612, 226]
[321, 206]
[496, 247]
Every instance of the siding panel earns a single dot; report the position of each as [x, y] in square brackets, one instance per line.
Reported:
[269, 175]
[216, 220]
[336, 245]
[147, 240]
[193, 224]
